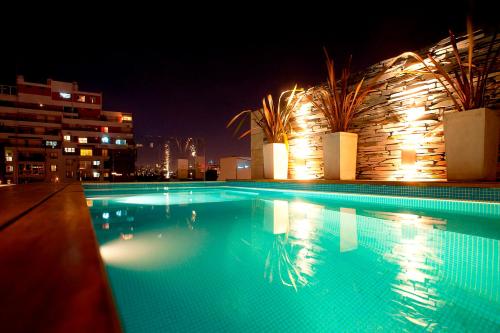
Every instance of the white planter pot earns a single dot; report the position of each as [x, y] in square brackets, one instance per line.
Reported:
[339, 155]
[275, 161]
[471, 144]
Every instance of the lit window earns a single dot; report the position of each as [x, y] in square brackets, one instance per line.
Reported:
[95, 174]
[81, 98]
[105, 139]
[85, 152]
[104, 129]
[82, 140]
[53, 167]
[65, 95]
[8, 158]
[127, 118]
[243, 165]
[67, 138]
[96, 162]
[104, 152]
[106, 174]
[92, 100]
[121, 142]
[9, 168]
[52, 144]
[69, 149]
[105, 215]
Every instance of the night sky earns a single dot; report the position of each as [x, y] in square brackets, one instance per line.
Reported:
[185, 74]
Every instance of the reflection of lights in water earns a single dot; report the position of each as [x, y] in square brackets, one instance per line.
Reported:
[277, 217]
[305, 261]
[105, 215]
[416, 281]
[191, 220]
[149, 251]
[127, 236]
[302, 229]
[409, 218]
[348, 230]
[304, 218]
[118, 213]
[167, 203]
[291, 258]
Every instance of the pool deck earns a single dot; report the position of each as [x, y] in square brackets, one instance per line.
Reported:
[52, 276]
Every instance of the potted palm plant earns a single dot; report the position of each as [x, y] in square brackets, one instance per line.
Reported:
[340, 102]
[471, 134]
[275, 122]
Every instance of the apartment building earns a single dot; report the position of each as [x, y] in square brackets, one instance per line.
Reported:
[54, 132]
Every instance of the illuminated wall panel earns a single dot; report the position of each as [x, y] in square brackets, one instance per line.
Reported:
[404, 113]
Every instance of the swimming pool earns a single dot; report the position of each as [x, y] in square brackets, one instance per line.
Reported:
[242, 259]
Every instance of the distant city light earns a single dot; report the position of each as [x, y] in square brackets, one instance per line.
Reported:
[105, 215]
[105, 139]
[65, 95]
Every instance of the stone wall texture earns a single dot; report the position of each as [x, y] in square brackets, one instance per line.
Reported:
[404, 113]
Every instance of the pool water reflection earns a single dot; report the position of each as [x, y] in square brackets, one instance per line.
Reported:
[235, 260]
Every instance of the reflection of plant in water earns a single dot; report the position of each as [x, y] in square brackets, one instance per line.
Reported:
[191, 220]
[416, 282]
[280, 265]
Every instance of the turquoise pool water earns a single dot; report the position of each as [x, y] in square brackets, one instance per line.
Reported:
[229, 259]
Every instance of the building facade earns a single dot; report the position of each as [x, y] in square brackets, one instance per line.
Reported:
[56, 133]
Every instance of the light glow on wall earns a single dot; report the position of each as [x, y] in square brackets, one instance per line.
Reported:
[415, 113]
[300, 147]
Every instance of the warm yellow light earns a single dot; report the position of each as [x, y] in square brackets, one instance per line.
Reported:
[415, 113]
[301, 148]
[127, 236]
[408, 157]
[148, 250]
[302, 172]
[85, 152]
[410, 172]
[304, 109]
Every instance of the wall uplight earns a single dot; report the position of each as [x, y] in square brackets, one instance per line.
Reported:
[408, 157]
[415, 113]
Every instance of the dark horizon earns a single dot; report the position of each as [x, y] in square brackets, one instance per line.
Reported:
[189, 79]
